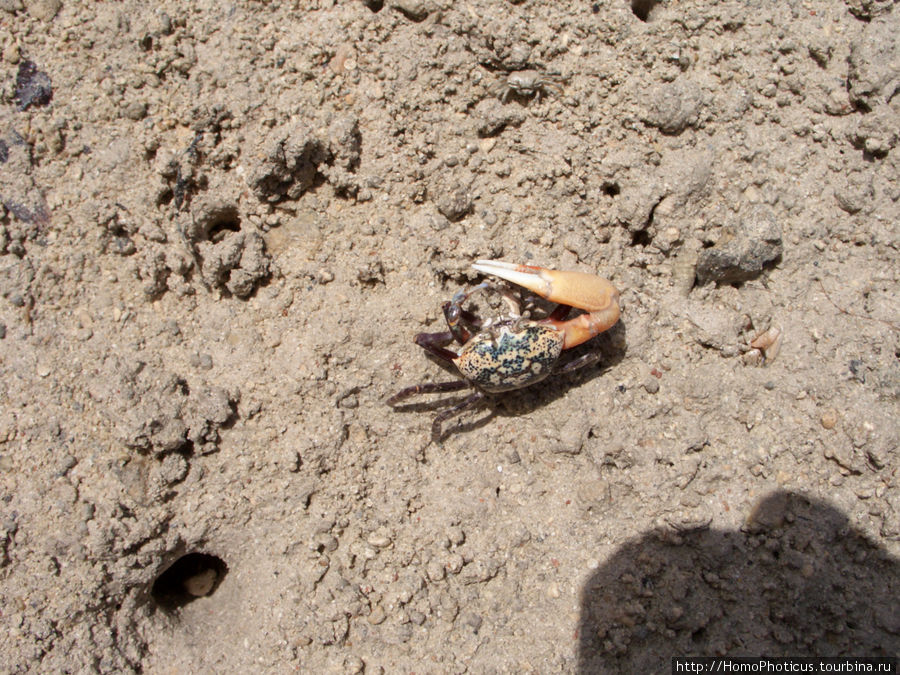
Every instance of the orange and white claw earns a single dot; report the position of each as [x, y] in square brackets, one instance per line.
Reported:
[598, 297]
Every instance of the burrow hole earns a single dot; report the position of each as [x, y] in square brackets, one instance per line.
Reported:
[611, 189]
[221, 222]
[192, 576]
[642, 9]
[641, 238]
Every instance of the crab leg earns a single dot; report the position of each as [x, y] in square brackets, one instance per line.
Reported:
[595, 295]
[427, 388]
[450, 413]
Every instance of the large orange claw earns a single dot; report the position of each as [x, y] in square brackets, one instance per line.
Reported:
[595, 295]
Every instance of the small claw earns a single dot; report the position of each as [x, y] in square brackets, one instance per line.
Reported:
[585, 291]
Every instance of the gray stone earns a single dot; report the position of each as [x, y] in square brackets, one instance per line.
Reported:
[454, 203]
[492, 117]
[873, 74]
[866, 9]
[44, 10]
[674, 107]
[414, 10]
[136, 110]
[743, 251]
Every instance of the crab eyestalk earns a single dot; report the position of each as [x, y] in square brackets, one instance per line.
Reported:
[598, 297]
[454, 313]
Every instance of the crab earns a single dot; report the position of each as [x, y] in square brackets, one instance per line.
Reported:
[515, 351]
[526, 83]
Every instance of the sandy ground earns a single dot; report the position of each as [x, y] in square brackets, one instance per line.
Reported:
[224, 223]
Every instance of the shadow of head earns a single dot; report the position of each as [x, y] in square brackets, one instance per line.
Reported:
[796, 580]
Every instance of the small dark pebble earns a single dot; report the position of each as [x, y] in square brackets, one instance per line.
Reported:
[136, 110]
[769, 385]
[472, 620]
[34, 214]
[65, 463]
[33, 87]
[122, 246]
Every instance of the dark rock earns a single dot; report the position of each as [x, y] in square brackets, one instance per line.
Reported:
[743, 251]
[33, 87]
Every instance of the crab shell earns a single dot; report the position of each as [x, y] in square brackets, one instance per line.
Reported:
[514, 355]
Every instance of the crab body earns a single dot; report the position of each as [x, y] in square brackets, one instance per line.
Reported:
[514, 351]
[518, 356]
[526, 83]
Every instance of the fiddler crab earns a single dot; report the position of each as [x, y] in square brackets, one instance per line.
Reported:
[515, 351]
[526, 83]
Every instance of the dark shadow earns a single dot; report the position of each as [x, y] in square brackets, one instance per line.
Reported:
[797, 580]
[610, 346]
[643, 9]
[481, 416]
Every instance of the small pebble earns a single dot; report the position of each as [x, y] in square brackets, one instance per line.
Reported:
[136, 110]
[829, 418]
[173, 469]
[200, 584]
[651, 385]
[673, 613]
[201, 361]
[349, 402]
[44, 10]
[473, 620]
[12, 54]
[768, 513]
[376, 616]
[454, 563]
[456, 535]
[354, 665]
[415, 10]
[379, 540]
[434, 570]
